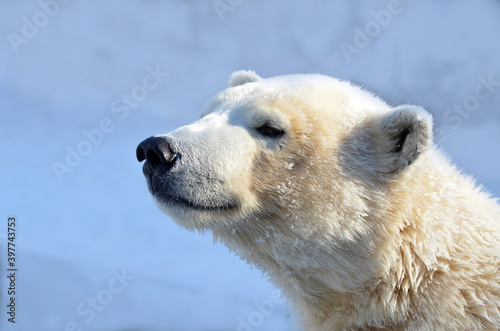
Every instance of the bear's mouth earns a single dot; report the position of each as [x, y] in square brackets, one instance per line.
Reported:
[174, 200]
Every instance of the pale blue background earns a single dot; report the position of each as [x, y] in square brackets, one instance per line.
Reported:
[73, 234]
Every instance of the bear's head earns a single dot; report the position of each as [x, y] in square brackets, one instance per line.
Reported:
[288, 171]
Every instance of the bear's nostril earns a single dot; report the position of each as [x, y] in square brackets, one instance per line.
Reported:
[153, 158]
[139, 153]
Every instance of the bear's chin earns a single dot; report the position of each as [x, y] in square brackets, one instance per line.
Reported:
[193, 215]
[175, 201]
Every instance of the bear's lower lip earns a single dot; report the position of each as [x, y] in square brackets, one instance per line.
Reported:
[169, 199]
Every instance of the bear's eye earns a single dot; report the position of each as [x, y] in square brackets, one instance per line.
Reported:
[270, 131]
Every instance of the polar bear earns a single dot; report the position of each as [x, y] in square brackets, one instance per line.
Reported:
[341, 200]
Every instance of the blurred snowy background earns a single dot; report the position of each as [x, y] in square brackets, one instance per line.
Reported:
[93, 251]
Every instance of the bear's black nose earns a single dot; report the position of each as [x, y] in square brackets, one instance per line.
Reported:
[156, 151]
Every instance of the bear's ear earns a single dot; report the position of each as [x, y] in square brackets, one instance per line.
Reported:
[401, 136]
[241, 77]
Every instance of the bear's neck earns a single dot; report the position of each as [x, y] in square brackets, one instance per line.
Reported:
[320, 282]
[315, 289]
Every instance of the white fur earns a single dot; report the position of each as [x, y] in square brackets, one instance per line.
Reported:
[242, 77]
[353, 213]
